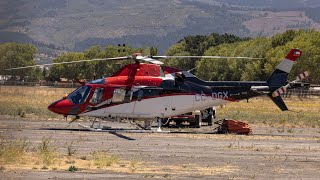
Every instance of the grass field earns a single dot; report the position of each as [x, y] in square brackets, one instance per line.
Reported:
[29, 101]
[32, 102]
[303, 112]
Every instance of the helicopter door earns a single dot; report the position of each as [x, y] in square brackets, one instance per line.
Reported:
[150, 104]
[123, 98]
[181, 103]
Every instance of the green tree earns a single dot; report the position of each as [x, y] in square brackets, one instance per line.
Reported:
[153, 51]
[197, 46]
[282, 39]
[69, 71]
[35, 75]
[272, 49]
[16, 55]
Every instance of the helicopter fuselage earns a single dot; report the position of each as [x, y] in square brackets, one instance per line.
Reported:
[147, 91]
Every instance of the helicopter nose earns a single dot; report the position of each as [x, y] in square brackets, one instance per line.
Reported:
[63, 106]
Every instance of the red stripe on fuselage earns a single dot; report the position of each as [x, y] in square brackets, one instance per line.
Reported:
[137, 81]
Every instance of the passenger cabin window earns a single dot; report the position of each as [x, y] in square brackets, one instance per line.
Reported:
[97, 96]
[128, 96]
[122, 95]
[140, 95]
[118, 95]
[147, 93]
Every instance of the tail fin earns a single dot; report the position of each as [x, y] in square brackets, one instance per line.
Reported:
[279, 77]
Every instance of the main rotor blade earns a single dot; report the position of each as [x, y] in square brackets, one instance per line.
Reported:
[149, 59]
[207, 57]
[71, 62]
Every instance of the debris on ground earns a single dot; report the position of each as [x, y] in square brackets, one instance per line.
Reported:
[228, 126]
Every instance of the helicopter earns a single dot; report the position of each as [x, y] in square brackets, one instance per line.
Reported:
[151, 91]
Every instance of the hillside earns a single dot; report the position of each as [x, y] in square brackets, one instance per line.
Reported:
[270, 4]
[78, 24]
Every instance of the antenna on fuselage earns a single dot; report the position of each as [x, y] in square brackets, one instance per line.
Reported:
[192, 69]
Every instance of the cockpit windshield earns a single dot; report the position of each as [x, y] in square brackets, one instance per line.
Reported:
[80, 95]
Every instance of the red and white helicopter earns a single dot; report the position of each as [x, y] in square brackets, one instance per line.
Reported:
[149, 91]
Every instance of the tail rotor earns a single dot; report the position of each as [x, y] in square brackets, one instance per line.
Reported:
[284, 89]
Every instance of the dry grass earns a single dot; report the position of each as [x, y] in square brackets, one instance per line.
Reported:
[29, 101]
[104, 159]
[33, 159]
[149, 169]
[47, 152]
[12, 152]
[263, 111]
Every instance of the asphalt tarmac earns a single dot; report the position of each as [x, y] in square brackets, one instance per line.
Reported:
[269, 153]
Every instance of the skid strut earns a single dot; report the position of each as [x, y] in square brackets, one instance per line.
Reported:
[122, 130]
[159, 125]
[147, 128]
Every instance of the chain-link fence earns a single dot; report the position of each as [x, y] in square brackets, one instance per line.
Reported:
[40, 83]
[299, 92]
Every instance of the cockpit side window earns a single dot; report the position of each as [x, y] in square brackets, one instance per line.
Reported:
[97, 96]
[80, 95]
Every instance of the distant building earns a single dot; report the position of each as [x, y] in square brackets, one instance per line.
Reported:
[4, 78]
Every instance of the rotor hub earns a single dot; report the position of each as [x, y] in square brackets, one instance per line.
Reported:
[134, 55]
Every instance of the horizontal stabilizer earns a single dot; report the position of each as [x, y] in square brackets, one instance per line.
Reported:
[283, 89]
[302, 76]
[280, 91]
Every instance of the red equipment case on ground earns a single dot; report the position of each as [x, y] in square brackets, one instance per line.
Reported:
[233, 127]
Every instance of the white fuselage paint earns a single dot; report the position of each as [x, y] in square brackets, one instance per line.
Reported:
[164, 106]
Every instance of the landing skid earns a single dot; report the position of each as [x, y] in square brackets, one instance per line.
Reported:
[109, 129]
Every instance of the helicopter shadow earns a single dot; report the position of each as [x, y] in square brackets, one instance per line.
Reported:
[120, 135]
[86, 130]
